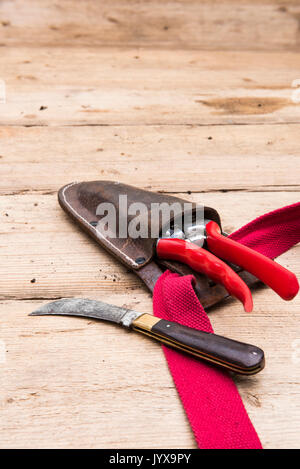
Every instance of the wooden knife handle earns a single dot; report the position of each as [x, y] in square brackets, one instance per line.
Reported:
[230, 354]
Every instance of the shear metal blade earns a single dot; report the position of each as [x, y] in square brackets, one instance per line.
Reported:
[86, 308]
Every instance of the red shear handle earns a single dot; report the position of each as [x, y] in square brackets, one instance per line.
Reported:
[205, 262]
[281, 280]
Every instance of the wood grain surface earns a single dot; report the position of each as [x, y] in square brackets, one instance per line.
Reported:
[192, 98]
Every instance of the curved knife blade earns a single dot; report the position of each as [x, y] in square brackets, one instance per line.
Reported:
[88, 309]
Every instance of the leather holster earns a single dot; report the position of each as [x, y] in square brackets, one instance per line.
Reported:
[81, 201]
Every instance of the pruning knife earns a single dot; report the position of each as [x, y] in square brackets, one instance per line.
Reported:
[183, 246]
[229, 354]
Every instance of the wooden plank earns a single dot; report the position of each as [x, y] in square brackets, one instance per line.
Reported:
[195, 159]
[129, 91]
[50, 257]
[75, 384]
[63, 385]
[56, 87]
[43, 390]
[216, 25]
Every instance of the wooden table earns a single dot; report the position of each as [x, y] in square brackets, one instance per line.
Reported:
[192, 98]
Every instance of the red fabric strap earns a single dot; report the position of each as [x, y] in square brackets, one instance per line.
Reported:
[209, 395]
[272, 234]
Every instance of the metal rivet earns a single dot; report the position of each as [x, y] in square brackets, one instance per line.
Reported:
[140, 260]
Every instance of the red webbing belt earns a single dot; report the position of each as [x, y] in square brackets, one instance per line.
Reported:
[211, 400]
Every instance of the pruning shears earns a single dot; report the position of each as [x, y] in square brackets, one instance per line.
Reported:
[215, 248]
